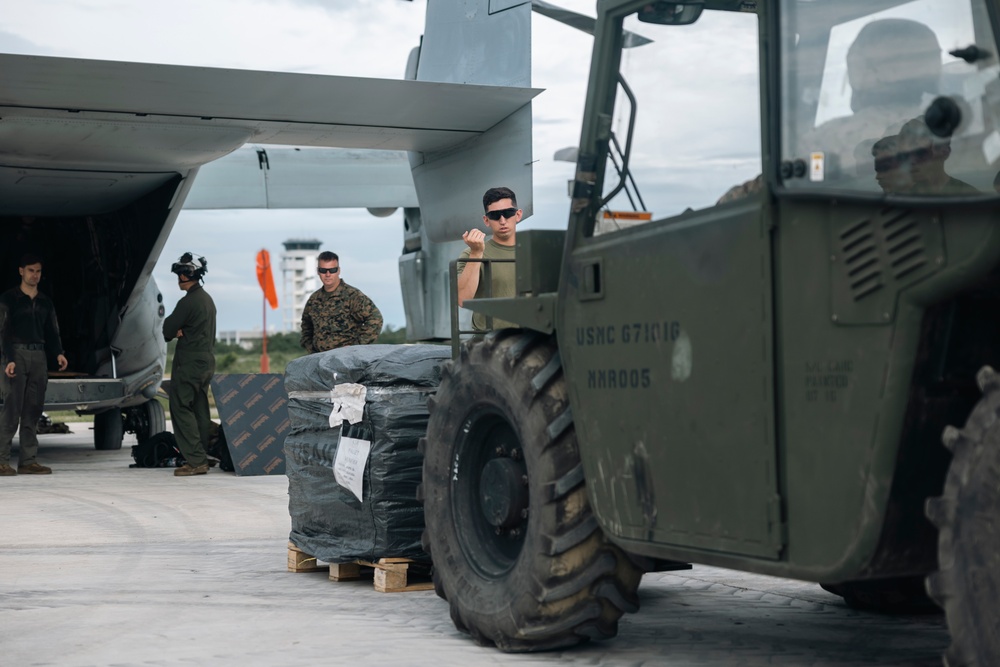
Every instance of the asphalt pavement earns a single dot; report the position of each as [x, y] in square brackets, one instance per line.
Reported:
[106, 565]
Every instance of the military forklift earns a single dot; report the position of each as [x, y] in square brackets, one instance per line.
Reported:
[765, 340]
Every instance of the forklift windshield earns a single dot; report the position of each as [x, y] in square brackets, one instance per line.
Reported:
[889, 96]
[684, 127]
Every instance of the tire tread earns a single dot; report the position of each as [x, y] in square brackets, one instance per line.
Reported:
[552, 611]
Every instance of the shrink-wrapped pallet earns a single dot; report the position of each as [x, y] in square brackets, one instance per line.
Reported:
[389, 385]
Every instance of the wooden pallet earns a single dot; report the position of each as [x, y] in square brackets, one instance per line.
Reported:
[390, 574]
[300, 561]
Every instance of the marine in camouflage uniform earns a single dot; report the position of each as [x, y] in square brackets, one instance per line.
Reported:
[337, 314]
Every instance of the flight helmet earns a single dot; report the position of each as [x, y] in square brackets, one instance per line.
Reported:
[191, 266]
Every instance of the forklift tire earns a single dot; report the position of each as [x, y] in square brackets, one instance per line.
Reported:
[109, 429]
[517, 550]
[967, 585]
[898, 595]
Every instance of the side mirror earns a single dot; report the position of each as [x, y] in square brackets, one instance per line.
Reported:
[662, 12]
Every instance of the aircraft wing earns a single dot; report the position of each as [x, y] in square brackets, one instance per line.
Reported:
[77, 134]
[257, 176]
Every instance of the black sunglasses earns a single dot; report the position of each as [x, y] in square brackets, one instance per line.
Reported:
[918, 154]
[502, 213]
[887, 163]
[333, 270]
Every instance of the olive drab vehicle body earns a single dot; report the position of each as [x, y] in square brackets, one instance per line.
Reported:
[765, 340]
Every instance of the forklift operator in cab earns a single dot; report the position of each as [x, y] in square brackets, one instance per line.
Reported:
[891, 65]
[500, 215]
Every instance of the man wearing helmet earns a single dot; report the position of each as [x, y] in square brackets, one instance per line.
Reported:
[193, 325]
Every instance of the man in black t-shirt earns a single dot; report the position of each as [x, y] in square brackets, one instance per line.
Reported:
[29, 337]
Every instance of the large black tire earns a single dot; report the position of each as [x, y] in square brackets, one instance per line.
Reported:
[146, 420]
[967, 515]
[517, 551]
[898, 595]
[109, 429]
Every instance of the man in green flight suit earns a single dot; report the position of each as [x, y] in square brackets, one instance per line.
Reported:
[501, 217]
[193, 325]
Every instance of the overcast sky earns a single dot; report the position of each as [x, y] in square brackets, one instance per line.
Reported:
[357, 38]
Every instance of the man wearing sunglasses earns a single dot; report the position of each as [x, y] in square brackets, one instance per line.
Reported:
[337, 315]
[501, 217]
[926, 154]
[892, 172]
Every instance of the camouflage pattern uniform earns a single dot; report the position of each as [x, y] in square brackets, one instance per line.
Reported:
[747, 189]
[339, 318]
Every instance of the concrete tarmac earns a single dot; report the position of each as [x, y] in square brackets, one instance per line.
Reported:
[103, 565]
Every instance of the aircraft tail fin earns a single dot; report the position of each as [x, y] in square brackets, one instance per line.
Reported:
[486, 42]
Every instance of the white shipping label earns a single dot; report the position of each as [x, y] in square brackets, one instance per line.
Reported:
[348, 402]
[349, 466]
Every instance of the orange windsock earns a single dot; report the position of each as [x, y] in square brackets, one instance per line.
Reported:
[265, 278]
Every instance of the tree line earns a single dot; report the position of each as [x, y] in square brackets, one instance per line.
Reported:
[281, 349]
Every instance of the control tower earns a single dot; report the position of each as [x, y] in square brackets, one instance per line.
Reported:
[299, 279]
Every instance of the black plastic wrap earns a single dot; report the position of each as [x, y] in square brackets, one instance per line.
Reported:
[328, 521]
[370, 365]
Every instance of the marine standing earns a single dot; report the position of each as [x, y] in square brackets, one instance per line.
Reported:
[193, 325]
[501, 216]
[29, 337]
[337, 315]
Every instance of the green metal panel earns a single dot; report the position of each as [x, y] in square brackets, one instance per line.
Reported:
[875, 252]
[667, 338]
[845, 381]
[842, 393]
[539, 256]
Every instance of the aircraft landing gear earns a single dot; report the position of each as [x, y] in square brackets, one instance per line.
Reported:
[109, 428]
[145, 420]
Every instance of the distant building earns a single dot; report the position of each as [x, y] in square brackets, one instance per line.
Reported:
[299, 279]
[245, 339]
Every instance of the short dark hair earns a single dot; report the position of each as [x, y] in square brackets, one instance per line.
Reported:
[886, 143]
[327, 256]
[496, 194]
[28, 259]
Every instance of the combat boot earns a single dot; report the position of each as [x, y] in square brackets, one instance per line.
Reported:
[186, 470]
[34, 469]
